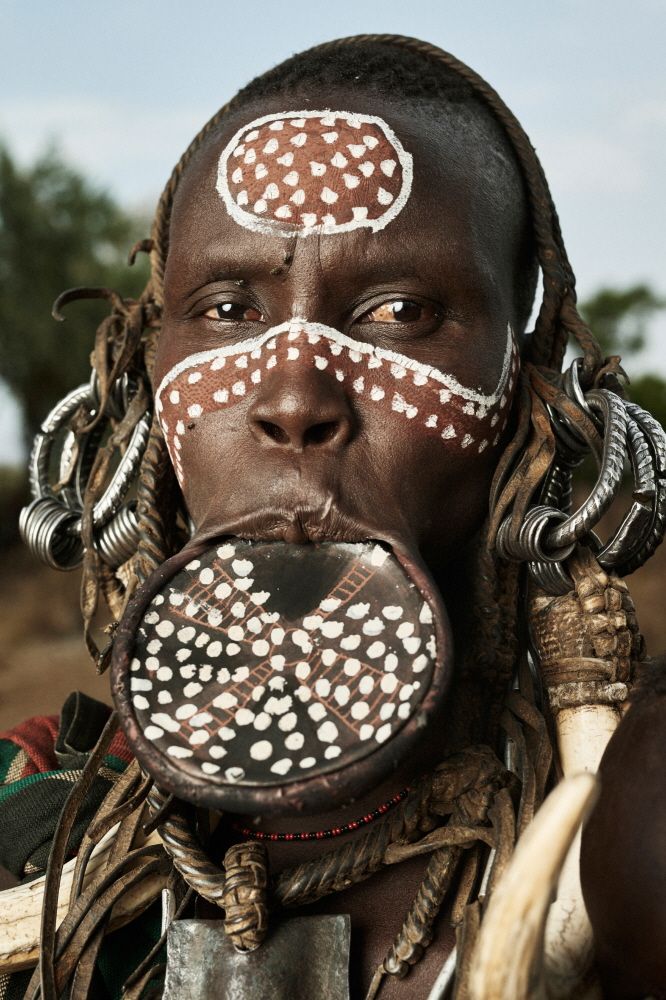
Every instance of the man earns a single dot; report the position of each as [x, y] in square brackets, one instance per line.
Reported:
[343, 265]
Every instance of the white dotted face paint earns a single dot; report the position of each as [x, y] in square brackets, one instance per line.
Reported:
[270, 691]
[314, 172]
[406, 391]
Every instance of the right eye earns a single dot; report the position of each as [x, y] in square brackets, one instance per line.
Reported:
[234, 312]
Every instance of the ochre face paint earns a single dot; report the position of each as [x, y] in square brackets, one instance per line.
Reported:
[428, 400]
[314, 172]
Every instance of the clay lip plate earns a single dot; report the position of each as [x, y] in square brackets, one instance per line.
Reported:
[262, 675]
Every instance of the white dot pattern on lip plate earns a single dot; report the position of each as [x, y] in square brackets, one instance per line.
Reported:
[429, 400]
[314, 172]
[257, 696]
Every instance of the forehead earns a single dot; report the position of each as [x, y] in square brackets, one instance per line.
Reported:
[436, 187]
[311, 172]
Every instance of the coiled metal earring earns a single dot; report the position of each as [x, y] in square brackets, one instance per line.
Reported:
[51, 524]
[550, 530]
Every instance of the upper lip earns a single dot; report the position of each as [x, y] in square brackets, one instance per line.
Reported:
[300, 523]
[297, 523]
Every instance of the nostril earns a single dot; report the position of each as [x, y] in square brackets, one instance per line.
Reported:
[274, 432]
[321, 433]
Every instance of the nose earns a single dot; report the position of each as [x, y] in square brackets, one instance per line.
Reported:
[307, 410]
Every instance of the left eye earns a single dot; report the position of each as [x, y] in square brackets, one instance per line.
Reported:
[399, 311]
[234, 312]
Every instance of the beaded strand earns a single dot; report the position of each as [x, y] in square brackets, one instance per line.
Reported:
[335, 831]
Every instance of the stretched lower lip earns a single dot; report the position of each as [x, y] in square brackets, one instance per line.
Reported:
[190, 770]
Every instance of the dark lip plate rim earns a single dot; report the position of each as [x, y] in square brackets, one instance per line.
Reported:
[319, 791]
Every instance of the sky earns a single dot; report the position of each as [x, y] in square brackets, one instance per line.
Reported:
[122, 88]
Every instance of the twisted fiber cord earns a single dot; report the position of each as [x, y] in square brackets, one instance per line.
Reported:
[153, 548]
[471, 777]
[416, 933]
[331, 872]
[354, 862]
[73, 948]
[188, 856]
[417, 930]
[463, 784]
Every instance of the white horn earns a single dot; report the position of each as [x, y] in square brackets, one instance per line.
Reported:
[585, 642]
[507, 959]
[583, 732]
[21, 906]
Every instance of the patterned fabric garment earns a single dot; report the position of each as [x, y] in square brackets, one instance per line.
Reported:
[40, 762]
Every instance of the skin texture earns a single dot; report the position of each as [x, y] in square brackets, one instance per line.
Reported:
[455, 257]
[299, 459]
[623, 857]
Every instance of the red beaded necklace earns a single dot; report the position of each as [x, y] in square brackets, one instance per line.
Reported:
[335, 831]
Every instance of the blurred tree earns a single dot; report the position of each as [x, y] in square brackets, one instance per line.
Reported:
[619, 319]
[56, 231]
[649, 391]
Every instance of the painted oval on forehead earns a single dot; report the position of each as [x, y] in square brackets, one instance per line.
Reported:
[314, 172]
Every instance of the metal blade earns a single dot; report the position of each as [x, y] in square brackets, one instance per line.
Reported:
[305, 958]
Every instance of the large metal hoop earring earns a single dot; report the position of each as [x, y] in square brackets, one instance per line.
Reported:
[51, 524]
[550, 531]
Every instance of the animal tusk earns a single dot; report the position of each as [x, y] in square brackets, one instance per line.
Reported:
[507, 959]
[583, 731]
[21, 906]
[585, 643]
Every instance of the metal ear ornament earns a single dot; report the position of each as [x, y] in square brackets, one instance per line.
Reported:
[59, 468]
[618, 432]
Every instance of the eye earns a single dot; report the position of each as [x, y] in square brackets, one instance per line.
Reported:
[234, 312]
[399, 311]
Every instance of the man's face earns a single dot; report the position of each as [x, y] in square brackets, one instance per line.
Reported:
[303, 452]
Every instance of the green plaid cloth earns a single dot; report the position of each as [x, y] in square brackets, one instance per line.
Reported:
[40, 761]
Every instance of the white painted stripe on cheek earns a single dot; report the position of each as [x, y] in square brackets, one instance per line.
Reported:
[217, 358]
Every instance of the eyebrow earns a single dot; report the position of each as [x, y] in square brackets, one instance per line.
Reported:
[246, 267]
[382, 262]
